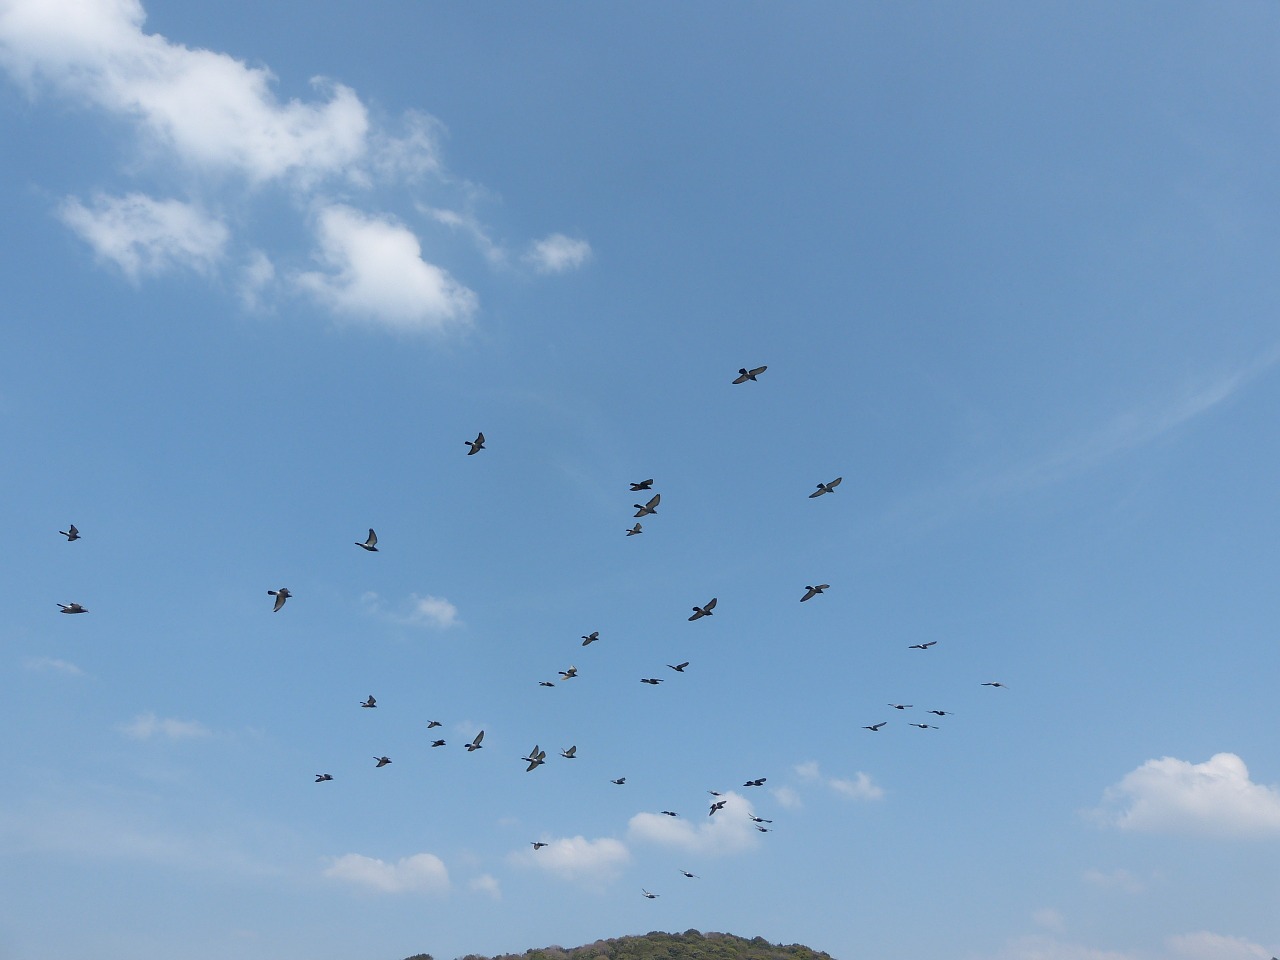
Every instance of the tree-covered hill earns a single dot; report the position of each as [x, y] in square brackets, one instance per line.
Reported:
[690, 945]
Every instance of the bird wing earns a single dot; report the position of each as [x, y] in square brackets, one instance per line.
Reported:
[479, 737]
[653, 501]
[809, 594]
[711, 604]
[757, 371]
[373, 539]
[280, 599]
[835, 483]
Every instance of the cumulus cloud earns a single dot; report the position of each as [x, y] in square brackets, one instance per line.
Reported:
[1204, 945]
[147, 726]
[375, 272]
[729, 831]
[859, 787]
[142, 235]
[422, 872]
[1214, 798]
[558, 254]
[577, 858]
[419, 611]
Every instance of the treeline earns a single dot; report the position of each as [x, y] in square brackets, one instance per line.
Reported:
[690, 945]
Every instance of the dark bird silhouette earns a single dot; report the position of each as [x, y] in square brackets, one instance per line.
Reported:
[700, 612]
[475, 744]
[382, 761]
[476, 445]
[718, 805]
[811, 592]
[571, 753]
[371, 543]
[322, 777]
[759, 782]
[762, 829]
[715, 793]
[670, 813]
[71, 533]
[545, 683]
[922, 646]
[901, 706]
[744, 374]
[432, 724]
[72, 608]
[650, 507]
[691, 876]
[875, 727]
[569, 674]
[993, 683]
[678, 667]
[826, 488]
[642, 485]
[636, 530]
[536, 758]
[620, 781]
[650, 680]
[537, 844]
[756, 819]
[437, 743]
[592, 637]
[924, 726]
[648, 895]
[940, 713]
[281, 596]
[370, 702]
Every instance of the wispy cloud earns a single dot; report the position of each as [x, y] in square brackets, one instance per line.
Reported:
[558, 254]
[52, 665]
[142, 235]
[1118, 879]
[729, 830]
[1214, 798]
[419, 873]
[487, 884]
[858, 787]
[417, 611]
[577, 858]
[147, 726]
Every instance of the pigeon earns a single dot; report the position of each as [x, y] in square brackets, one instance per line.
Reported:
[900, 706]
[940, 713]
[370, 544]
[642, 485]
[826, 488]
[591, 637]
[691, 876]
[993, 683]
[536, 758]
[670, 813]
[537, 844]
[922, 646]
[475, 744]
[322, 777]
[370, 702]
[571, 753]
[620, 781]
[635, 531]
[678, 667]
[650, 680]
[569, 674]
[648, 895]
[476, 445]
[744, 374]
[71, 533]
[700, 612]
[758, 782]
[811, 592]
[718, 805]
[437, 743]
[650, 507]
[382, 761]
[431, 725]
[72, 608]
[715, 793]
[756, 819]
[924, 726]
[875, 727]
[281, 596]
[545, 683]
[762, 829]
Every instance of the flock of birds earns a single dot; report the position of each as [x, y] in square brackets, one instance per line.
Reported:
[536, 757]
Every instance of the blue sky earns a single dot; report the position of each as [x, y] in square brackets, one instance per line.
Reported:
[1011, 269]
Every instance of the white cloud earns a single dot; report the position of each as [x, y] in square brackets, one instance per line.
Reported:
[557, 253]
[860, 787]
[729, 830]
[469, 225]
[1214, 798]
[787, 798]
[577, 858]
[376, 273]
[147, 725]
[808, 770]
[1050, 919]
[486, 883]
[1118, 879]
[54, 665]
[142, 235]
[428, 611]
[1204, 945]
[422, 872]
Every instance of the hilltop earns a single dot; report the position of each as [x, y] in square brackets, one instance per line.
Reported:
[690, 945]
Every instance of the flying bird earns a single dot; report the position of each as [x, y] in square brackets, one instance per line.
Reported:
[922, 646]
[571, 753]
[431, 725]
[700, 612]
[900, 706]
[370, 702]
[592, 637]
[875, 727]
[71, 533]
[715, 793]
[670, 813]
[536, 758]
[642, 485]
[475, 744]
[993, 683]
[635, 531]
[537, 844]
[678, 667]
[940, 713]
[691, 876]
[756, 819]
[569, 674]
[762, 829]
[620, 781]
[72, 608]
[826, 488]
[281, 596]
[718, 805]
[744, 374]
[476, 445]
[437, 743]
[322, 777]
[650, 680]
[650, 507]
[924, 726]
[382, 761]
[648, 895]
[811, 592]
[545, 683]
[759, 782]
[370, 543]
